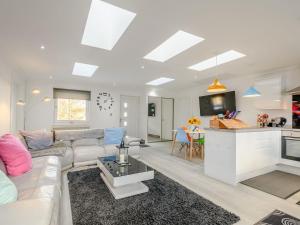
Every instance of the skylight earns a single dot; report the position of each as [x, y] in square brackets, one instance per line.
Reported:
[84, 70]
[160, 81]
[105, 25]
[176, 44]
[217, 60]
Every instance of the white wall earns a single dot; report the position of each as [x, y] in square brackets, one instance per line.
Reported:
[40, 115]
[12, 88]
[5, 98]
[154, 122]
[187, 101]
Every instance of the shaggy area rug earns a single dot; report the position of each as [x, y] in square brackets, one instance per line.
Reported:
[166, 203]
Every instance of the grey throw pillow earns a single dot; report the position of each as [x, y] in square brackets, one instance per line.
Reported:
[37, 140]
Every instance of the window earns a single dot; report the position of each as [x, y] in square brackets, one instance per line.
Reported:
[71, 106]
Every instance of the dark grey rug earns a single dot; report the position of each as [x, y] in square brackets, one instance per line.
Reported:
[278, 183]
[166, 203]
[279, 218]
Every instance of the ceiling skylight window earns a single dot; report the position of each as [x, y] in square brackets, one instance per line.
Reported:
[160, 81]
[84, 70]
[105, 25]
[217, 60]
[176, 44]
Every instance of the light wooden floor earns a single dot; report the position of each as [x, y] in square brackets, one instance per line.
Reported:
[250, 204]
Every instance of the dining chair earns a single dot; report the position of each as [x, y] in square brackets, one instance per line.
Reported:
[183, 138]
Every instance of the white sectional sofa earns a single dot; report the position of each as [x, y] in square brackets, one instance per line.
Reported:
[38, 195]
[39, 191]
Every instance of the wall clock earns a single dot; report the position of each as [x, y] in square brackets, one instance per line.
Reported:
[105, 102]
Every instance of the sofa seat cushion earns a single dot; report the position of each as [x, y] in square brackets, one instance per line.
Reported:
[45, 171]
[52, 151]
[27, 212]
[44, 191]
[88, 153]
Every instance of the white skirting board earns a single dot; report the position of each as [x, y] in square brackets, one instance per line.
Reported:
[126, 190]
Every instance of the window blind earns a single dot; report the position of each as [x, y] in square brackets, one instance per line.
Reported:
[71, 94]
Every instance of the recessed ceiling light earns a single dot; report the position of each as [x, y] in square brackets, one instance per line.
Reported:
[176, 44]
[105, 25]
[42, 47]
[142, 67]
[36, 91]
[217, 60]
[84, 70]
[47, 99]
[21, 102]
[160, 81]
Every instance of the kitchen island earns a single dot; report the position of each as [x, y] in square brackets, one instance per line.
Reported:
[234, 155]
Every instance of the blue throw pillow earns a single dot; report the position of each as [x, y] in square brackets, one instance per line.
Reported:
[8, 190]
[113, 136]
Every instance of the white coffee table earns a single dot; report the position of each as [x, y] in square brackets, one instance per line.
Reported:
[125, 181]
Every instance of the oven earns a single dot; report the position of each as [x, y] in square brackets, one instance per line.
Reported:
[291, 145]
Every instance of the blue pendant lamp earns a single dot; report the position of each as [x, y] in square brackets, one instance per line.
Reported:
[251, 92]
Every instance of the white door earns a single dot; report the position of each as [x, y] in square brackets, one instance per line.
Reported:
[167, 118]
[129, 114]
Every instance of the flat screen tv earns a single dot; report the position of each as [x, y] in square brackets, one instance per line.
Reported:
[217, 103]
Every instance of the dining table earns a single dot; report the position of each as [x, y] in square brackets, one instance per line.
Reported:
[191, 133]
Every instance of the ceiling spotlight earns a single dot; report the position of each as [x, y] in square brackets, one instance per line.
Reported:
[142, 67]
[46, 99]
[42, 47]
[36, 91]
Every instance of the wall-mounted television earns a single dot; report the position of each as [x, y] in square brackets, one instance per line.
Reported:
[217, 103]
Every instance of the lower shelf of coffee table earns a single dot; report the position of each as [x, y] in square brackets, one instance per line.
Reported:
[125, 190]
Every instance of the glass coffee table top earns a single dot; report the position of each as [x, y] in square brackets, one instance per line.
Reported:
[116, 170]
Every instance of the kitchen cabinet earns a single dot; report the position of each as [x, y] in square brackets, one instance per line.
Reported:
[271, 93]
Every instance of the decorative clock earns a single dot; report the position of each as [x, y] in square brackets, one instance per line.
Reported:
[105, 102]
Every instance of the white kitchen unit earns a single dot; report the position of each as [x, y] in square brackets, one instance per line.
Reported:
[239, 154]
[271, 93]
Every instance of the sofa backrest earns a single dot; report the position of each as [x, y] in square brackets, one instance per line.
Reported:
[72, 135]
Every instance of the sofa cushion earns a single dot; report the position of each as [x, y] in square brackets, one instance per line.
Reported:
[8, 191]
[71, 135]
[27, 212]
[39, 139]
[114, 135]
[45, 171]
[88, 153]
[55, 150]
[85, 142]
[14, 155]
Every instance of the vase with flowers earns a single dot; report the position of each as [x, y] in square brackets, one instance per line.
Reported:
[194, 123]
[262, 120]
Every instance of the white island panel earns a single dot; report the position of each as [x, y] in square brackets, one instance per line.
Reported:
[235, 155]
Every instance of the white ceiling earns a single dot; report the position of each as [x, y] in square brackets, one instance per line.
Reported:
[267, 31]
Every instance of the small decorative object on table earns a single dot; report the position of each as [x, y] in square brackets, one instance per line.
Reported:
[262, 120]
[122, 157]
[194, 123]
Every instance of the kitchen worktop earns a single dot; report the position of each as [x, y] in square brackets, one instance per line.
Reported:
[249, 129]
[253, 129]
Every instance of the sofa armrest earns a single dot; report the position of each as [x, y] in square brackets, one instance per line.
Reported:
[27, 212]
